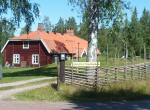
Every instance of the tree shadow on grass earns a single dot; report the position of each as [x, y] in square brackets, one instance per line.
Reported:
[43, 71]
[121, 99]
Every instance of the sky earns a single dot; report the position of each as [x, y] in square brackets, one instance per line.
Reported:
[55, 9]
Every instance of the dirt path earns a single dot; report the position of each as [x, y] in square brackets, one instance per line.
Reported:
[7, 93]
[123, 105]
[18, 83]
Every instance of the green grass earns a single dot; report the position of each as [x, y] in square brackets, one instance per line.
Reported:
[17, 74]
[131, 90]
[112, 61]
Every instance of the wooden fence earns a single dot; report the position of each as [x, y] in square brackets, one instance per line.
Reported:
[96, 76]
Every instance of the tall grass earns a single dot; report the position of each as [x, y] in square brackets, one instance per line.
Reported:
[131, 90]
[112, 61]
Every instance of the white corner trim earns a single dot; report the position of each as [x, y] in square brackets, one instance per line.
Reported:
[4, 46]
[84, 51]
[45, 46]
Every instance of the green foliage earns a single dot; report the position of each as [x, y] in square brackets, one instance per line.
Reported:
[21, 10]
[145, 27]
[135, 40]
[98, 12]
[60, 26]
[83, 31]
[24, 30]
[47, 24]
[6, 31]
[71, 24]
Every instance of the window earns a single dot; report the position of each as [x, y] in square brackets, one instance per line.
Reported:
[25, 45]
[16, 58]
[35, 58]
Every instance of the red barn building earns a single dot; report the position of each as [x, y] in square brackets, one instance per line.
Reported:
[40, 48]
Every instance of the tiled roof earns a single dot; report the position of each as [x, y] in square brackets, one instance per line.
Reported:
[56, 42]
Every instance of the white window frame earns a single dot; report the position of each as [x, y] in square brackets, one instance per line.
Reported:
[34, 60]
[16, 58]
[25, 45]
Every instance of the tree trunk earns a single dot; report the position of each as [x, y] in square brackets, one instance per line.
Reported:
[92, 47]
[93, 29]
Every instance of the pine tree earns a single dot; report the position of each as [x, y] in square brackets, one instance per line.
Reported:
[47, 24]
[71, 24]
[145, 27]
[135, 38]
[60, 26]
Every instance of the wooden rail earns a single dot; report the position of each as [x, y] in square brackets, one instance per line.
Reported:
[96, 76]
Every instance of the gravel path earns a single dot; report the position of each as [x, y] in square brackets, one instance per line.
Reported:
[123, 105]
[7, 93]
[18, 83]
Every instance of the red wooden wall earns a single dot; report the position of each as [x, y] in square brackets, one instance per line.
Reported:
[35, 47]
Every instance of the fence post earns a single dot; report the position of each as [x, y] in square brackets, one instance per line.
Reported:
[106, 76]
[139, 71]
[125, 72]
[115, 74]
[71, 74]
[145, 67]
[132, 72]
[96, 78]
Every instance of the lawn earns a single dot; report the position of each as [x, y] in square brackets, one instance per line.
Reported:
[131, 90]
[17, 74]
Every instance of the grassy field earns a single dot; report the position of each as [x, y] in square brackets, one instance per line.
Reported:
[112, 61]
[17, 74]
[131, 90]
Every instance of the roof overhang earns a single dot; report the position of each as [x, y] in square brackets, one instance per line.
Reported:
[83, 51]
[4, 46]
[45, 46]
[24, 40]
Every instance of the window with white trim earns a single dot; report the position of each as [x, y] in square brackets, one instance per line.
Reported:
[35, 58]
[26, 45]
[16, 58]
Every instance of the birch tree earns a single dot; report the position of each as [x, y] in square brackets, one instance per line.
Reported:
[97, 12]
[19, 10]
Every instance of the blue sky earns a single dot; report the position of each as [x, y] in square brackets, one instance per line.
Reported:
[55, 9]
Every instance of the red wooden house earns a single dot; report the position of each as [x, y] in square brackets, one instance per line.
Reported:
[40, 48]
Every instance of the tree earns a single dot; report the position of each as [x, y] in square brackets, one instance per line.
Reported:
[6, 31]
[98, 11]
[135, 40]
[83, 30]
[71, 24]
[47, 24]
[60, 26]
[145, 27]
[24, 30]
[21, 10]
